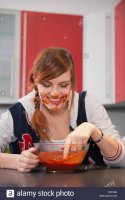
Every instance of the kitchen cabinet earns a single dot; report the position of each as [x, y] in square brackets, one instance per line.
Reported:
[99, 73]
[42, 30]
[104, 57]
[9, 56]
[120, 51]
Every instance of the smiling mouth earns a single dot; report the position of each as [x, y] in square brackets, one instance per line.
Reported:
[55, 101]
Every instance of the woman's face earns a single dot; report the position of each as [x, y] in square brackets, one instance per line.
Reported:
[54, 93]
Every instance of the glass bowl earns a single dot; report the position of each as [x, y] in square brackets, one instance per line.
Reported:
[52, 157]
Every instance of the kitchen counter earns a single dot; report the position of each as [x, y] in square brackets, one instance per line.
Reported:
[87, 176]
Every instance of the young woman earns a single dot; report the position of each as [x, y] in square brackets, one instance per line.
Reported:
[53, 112]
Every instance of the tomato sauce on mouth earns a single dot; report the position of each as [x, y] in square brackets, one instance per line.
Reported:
[47, 100]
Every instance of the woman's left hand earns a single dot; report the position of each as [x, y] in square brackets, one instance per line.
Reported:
[28, 160]
[78, 138]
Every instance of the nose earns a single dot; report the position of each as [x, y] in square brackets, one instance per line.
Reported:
[55, 92]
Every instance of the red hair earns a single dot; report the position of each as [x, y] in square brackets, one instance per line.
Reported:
[50, 63]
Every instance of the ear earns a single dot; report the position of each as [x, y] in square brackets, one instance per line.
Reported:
[34, 77]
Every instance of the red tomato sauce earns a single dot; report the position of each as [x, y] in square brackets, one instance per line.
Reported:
[54, 161]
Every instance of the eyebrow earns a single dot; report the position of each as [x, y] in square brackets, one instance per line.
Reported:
[65, 82]
[68, 81]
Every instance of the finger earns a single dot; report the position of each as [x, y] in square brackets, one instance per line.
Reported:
[26, 166]
[23, 170]
[67, 147]
[30, 153]
[33, 149]
[79, 144]
[36, 146]
[28, 160]
[73, 146]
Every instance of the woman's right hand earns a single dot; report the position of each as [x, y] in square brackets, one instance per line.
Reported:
[27, 160]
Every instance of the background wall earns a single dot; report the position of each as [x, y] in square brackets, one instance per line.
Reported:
[79, 7]
[117, 116]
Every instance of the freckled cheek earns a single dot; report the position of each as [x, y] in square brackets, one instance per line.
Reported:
[65, 96]
[44, 98]
[64, 99]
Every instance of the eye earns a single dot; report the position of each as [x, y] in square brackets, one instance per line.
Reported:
[64, 85]
[46, 84]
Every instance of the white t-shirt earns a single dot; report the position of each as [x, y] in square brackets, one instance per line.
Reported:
[95, 113]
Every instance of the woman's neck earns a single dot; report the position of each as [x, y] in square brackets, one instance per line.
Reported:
[58, 123]
[55, 113]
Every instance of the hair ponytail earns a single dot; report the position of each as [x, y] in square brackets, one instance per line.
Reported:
[38, 121]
